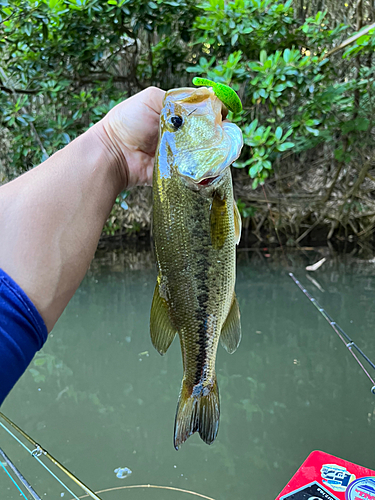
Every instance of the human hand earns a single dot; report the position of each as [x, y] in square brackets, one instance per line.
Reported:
[130, 134]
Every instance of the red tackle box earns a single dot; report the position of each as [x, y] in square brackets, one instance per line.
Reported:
[326, 477]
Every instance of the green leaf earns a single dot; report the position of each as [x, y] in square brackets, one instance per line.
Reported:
[266, 133]
[362, 124]
[313, 131]
[362, 40]
[21, 120]
[253, 125]
[267, 64]
[253, 171]
[278, 133]
[286, 55]
[234, 39]
[285, 145]
[280, 87]
[267, 164]
[290, 132]
[254, 66]
[263, 56]
[27, 28]
[261, 151]
[338, 154]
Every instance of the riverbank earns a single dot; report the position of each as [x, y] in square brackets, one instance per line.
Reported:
[303, 204]
[285, 211]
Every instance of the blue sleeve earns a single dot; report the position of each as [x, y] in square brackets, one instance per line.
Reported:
[22, 333]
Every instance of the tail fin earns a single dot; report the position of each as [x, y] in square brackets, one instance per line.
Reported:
[197, 413]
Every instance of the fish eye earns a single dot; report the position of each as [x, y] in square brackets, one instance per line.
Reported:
[177, 121]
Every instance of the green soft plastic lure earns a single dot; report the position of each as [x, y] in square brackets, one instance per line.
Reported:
[226, 94]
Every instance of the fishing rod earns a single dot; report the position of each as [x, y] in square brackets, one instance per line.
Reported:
[24, 481]
[38, 451]
[349, 343]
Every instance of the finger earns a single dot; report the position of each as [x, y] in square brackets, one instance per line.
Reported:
[152, 97]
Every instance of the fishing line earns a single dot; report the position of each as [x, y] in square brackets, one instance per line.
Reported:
[26, 484]
[13, 481]
[340, 332]
[35, 453]
[38, 450]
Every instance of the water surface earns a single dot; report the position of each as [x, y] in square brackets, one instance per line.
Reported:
[99, 397]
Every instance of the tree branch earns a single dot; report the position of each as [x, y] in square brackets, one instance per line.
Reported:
[348, 41]
[31, 125]
[17, 91]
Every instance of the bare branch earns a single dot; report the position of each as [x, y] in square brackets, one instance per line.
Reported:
[348, 41]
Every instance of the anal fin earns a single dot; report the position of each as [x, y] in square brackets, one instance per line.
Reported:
[230, 336]
[161, 328]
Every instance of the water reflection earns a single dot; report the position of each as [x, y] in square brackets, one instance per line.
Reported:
[99, 395]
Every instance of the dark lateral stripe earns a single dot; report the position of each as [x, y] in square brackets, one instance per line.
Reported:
[201, 316]
[203, 290]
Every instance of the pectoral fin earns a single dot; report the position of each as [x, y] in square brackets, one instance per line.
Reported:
[237, 223]
[219, 221]
[161, 329]
[231, 331]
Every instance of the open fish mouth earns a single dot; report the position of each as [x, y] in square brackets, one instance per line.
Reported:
[208, 181]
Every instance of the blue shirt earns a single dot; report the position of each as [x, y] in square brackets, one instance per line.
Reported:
[22, 333]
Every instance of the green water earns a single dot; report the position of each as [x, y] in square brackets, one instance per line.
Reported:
[100, 397]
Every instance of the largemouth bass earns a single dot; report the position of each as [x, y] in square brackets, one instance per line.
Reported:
[196, 227]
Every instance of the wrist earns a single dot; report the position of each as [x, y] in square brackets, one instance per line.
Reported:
[107, 155]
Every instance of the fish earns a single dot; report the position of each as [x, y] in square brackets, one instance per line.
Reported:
[196, 227]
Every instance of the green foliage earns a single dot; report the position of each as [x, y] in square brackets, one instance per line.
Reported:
[265, 145]
[293, 97]
[245, 210]
[249, 25]
[363, 44]
[115, 219]
[65, 63]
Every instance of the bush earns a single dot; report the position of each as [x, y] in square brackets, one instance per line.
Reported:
[66, 63]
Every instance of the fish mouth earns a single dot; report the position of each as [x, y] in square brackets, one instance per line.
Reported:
[208, 181]
[196, 185]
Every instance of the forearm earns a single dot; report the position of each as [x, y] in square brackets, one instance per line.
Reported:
[51, 219]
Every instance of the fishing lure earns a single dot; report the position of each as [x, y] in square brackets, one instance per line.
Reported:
[226, 94]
